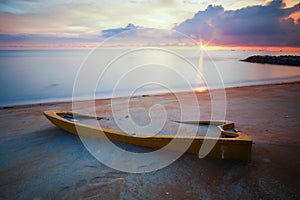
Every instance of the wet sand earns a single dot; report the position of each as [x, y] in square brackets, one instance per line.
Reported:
[40, 161]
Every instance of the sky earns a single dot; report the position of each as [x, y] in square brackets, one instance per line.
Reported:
[73, 24]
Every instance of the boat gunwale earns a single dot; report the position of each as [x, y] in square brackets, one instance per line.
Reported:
[239, 136]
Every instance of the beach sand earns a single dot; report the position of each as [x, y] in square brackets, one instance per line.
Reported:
[40, 161]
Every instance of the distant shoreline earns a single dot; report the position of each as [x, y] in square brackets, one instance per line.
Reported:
[276, 60]
[49, 103]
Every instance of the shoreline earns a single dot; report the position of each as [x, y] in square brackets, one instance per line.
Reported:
[46, 103]
[38, 160]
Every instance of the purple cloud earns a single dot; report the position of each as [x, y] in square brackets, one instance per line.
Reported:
[267, 25]
[255, 26]
[111, 32]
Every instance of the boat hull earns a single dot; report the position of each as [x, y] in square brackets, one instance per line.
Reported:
[231, 148]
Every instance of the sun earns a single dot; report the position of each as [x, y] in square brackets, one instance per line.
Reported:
[200, 89]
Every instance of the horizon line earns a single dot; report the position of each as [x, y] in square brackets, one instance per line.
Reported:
[95, 45]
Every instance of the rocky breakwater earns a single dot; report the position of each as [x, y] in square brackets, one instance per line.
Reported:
[277, 60]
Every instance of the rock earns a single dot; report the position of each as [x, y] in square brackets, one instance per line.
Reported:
[277, 60]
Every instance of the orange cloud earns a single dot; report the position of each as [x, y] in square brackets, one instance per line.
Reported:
[295, 16]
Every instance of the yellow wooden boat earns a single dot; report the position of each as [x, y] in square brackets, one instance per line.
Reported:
[231, 144]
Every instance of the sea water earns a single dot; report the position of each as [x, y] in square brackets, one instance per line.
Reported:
[36, 76]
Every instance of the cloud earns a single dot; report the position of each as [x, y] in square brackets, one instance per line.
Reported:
[41, 41]
[267, 25]
[69, 22]
[65, 16]
[136, 35]
[111, 32]
[44, 38]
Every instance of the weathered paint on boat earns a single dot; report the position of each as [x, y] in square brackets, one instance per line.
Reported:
[234, 146]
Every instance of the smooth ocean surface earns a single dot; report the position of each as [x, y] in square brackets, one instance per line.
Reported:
[35, 76]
